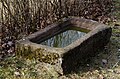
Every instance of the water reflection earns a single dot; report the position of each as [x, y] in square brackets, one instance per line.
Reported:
[63, 39]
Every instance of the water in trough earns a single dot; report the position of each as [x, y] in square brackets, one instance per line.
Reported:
[65, 38]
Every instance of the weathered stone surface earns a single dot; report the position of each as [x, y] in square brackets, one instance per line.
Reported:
[67, 57]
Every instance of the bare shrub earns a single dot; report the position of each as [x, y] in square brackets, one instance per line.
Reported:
[22, 17]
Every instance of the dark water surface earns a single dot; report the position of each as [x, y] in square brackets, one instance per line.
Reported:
[63, 39]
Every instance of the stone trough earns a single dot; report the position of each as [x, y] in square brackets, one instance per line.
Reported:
[67, 57]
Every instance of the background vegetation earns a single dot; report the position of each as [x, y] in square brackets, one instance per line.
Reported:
[19, 18]
[27, 16]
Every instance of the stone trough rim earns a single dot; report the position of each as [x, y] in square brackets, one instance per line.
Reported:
[61, 50]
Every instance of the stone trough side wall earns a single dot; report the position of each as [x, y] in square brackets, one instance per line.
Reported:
[29, 52]
[66, 58]
[86, 49]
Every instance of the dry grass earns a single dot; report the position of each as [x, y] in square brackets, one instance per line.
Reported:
[27, 16]
[22, 17]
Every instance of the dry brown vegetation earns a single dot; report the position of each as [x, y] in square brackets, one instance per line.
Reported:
[27, 16]
[22, 17]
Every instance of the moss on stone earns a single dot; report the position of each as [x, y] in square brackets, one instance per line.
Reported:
[40, 54]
